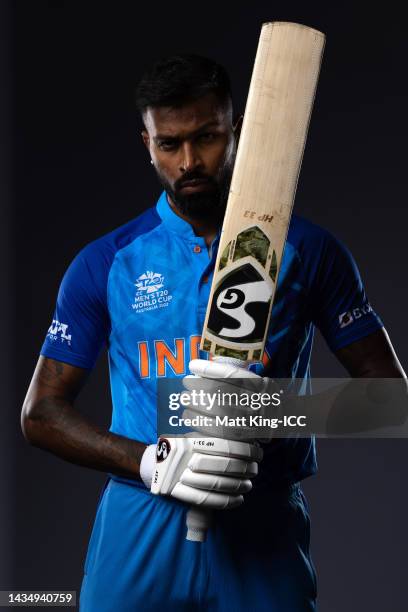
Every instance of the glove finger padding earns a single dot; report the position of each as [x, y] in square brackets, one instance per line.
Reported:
[213, 369]
[208, 499]
[222, 484]
[222, 465]
[211, 472]
[235, 385]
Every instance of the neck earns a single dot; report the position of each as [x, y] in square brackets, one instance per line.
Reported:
[206, 228]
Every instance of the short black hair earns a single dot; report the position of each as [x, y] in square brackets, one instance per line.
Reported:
[173, 80]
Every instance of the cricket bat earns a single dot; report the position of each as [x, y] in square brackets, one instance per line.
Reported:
[261, 197]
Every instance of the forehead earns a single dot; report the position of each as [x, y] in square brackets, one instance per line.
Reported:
[188, 117]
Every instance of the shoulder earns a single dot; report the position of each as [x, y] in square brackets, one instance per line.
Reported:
[104, 249]
[313, 242]
[89, 271]
[305, 236]
[322, 255]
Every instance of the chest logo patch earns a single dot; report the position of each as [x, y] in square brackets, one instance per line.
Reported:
[151, 293]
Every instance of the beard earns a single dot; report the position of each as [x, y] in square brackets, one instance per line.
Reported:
[207, 204]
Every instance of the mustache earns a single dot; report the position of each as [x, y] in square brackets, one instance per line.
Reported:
[190, 176]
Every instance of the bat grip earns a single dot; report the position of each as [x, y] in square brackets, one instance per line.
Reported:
[200, 519]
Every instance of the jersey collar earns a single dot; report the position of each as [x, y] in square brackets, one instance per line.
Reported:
[173, 221]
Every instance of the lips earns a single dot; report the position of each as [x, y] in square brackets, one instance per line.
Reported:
[195, 185]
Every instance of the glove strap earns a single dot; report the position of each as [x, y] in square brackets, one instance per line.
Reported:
[147, 465]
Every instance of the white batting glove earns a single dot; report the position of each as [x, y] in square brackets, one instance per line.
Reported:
[207, 472]
[230, 368]
[229, 390]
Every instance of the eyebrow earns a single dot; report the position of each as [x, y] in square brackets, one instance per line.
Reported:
[201, 129]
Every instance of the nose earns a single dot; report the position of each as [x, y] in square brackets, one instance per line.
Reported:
[190, 160]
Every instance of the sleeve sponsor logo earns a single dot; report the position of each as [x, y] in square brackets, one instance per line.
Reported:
[58, 332]
[348, 317]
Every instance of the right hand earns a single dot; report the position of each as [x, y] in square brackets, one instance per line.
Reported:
[206, 472]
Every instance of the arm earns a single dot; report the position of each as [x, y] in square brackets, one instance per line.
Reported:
[358, 406]
[377, 394]
[374, 398]
[50, 421]
[371, 357]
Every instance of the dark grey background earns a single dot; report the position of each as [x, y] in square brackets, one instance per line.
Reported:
[69, 127]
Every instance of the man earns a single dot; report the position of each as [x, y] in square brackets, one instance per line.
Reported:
[143, 290]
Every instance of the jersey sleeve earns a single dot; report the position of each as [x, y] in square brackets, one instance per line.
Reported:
[339, 305]
[80, 325]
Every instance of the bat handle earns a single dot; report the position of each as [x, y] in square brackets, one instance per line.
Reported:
[198, 522]
[200, 519]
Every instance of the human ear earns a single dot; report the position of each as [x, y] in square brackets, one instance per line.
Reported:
[146, 139]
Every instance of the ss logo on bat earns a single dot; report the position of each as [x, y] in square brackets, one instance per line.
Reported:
[240, 306]
[233, 298]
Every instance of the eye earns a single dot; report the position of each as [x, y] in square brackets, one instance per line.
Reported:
[167, 145]
[207, 137]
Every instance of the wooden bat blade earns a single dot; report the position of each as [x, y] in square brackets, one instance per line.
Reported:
[263, 188]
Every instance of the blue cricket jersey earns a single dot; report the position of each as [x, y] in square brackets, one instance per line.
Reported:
[143, 290]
